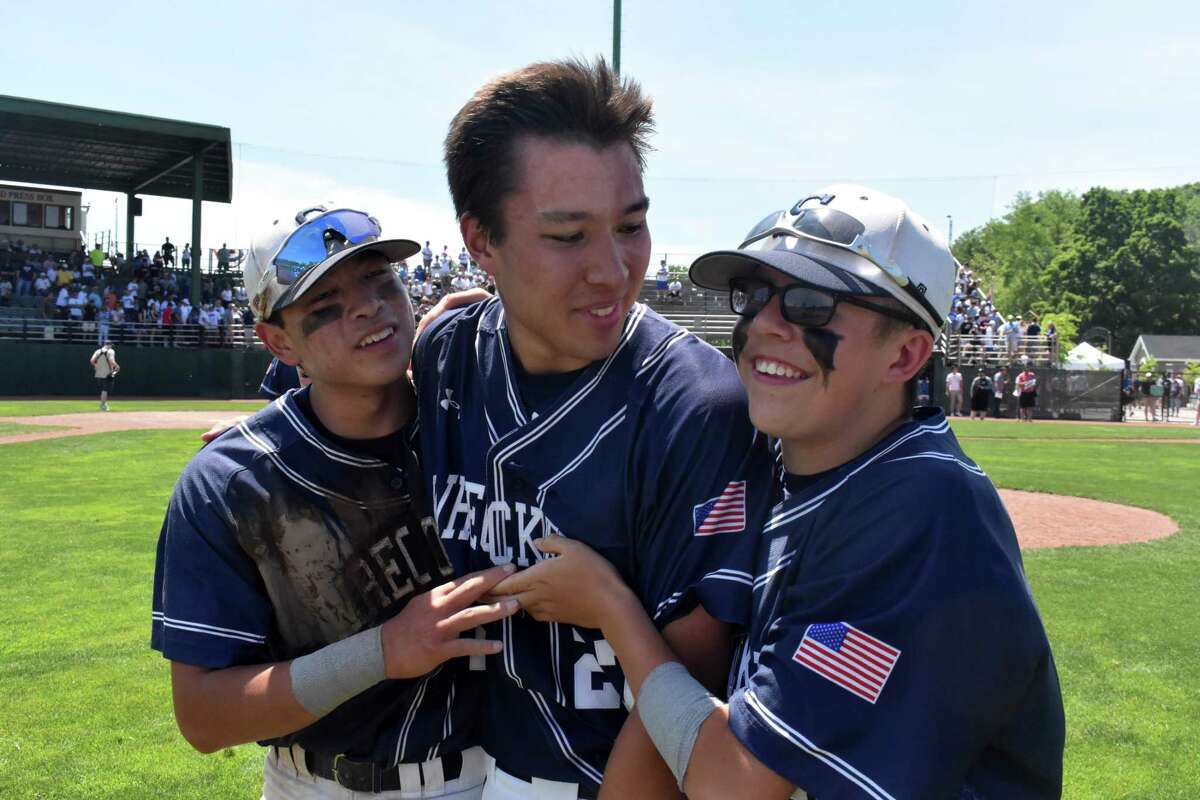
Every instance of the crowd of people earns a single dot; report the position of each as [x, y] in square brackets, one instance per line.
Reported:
[990, 333]
[144, 300]
[438, 274]
[101, 296]
[1160, 397]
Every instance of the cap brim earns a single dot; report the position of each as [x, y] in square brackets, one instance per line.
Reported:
[393, 250]
[715, 270]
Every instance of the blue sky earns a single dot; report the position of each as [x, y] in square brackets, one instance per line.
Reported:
[954, 107]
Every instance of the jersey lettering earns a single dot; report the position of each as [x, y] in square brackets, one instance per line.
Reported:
[507, 531]
[385, 566]
[460, 524]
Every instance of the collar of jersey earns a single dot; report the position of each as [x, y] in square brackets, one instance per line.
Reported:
[294, 418]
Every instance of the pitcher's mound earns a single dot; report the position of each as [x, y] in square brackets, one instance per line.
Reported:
[1053, 520]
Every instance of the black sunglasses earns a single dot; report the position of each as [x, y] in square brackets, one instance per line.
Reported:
[800, 303]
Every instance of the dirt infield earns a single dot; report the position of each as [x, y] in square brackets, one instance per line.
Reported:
[1052, 520]
[1041, 520]
[96, 422]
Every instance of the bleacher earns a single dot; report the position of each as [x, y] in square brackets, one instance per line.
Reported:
[702, 311]
[972, 351]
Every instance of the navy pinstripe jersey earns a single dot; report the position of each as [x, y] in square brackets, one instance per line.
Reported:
[896, 650]
[648, 457]
[276, 543]
[278, 378]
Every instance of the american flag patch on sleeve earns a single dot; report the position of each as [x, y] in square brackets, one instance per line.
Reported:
[841, 653]
[725, 513]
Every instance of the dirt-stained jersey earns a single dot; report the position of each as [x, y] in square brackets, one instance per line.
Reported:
[278, 542]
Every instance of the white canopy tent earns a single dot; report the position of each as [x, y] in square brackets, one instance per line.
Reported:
[1084, 356]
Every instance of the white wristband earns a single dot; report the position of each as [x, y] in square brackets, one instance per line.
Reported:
[673, 705]
[323, 680]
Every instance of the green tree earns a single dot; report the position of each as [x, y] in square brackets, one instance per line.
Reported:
[1129, 266]
[1191, 371]
[1010, 253]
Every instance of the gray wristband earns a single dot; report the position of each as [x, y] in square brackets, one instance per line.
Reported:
[673, 705]
[323, 680]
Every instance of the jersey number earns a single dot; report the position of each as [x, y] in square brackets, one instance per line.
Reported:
[587, 667]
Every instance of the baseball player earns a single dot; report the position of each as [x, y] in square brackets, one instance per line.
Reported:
[563, 406]
[281, 377]
[296, 590]
[895, 649]
[105, 368]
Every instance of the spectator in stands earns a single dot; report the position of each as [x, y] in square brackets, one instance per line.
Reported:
[981, 396]
[226, 323]
[104, 320]
[464, 259]
[988, 331]
[41, 285]
[223, 258]
[62, 303]
[461, 282]
[6, 290]
[662, 280]
[1026, 393]
[184, 311]
[76, 300]
[426, 258]
[208, 322]
[168, 251]
[25, 279]
[185, 258]
[1012, 337]
[954, 391]
[675, 291]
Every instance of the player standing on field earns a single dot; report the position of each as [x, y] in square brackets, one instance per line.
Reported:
[563, 405]
[105, 368]
[294, 591]
[895, 650]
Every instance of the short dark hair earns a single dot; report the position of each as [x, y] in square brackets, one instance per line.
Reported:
[567, 101]
[886, 326]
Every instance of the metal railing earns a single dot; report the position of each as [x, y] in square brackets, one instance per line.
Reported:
[136, 334]
[998, 351]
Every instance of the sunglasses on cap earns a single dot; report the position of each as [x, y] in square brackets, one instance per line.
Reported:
[800, 303]
[320, 238]
[819, 223]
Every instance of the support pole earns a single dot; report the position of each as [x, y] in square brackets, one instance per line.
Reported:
[197, 201]
[617, 36]
[129, 240]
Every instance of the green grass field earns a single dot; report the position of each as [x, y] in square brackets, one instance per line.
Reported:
[87, 709]
[41, 408]
[13, 428]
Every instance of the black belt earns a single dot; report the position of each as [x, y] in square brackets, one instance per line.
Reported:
[584, 792]
[369, 776]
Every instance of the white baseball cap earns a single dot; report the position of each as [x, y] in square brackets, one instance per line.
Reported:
[290, 256]
[849, 239]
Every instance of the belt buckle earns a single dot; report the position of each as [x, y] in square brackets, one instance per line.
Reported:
[354, 780]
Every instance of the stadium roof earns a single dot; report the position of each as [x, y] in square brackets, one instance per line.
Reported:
[64, 145]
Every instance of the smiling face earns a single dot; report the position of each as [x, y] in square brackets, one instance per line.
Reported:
[353, 327]
[574, 252]
[827, 392]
